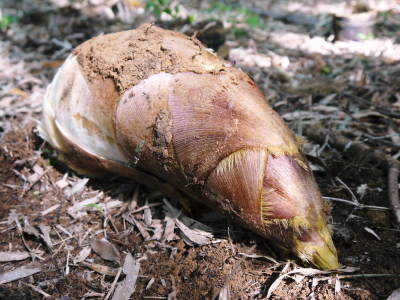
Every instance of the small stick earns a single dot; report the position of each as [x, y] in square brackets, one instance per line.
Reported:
[355, 200]
[37, 289]
[113, 284]
[25, 190]
[358, 205]
[393, 183]
[341, 142]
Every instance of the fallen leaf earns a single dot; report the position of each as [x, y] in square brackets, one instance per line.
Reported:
[105, 250]
[82, 255]
[18, 273]
[13, 256]
[127, 287]
[77, 188]
[102, 269]
[395, 295]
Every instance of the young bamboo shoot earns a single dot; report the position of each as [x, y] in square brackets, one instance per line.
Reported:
[157, 106]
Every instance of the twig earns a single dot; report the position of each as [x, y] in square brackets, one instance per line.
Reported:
[172, 294]
[393, 184]
[367, 276]
[393, 189]
[146, 206]
[37, 289]
[113, 284]
[358, 205]
[355, 200]
[341, 142]
[25, 190]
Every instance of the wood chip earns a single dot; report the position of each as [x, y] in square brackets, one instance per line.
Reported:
[13, 256]
[301, 271]
[371, 231]
[102, 269]
[169, 234]
[49, 210]
[127, 287]
[38, 290]
[29, 229]
[172, 294]
[76, 188]
[82, 255]
[394, 295]
[46, 235]
[78, 210]
[147, 214]
[224, 293]
[140, 226]
[150, 283]
[63, 182]
[38, 173]
[18, 273]
[193, 235]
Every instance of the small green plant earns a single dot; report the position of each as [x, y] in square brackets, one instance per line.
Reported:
[157, 7]
[236, 14]
[6, 21]
[387, 13]
[95, 206]
[366, 37]
[239, 32]
[253, 20]
[325, 70]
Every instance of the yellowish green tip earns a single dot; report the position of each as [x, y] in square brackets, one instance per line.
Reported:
[324, 258]
[319, 251]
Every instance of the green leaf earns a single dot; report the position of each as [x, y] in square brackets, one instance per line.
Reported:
[95, 206]
[253, 20]
[366, 37]
[239, 32]
[6, 21]
[157, 11]
[191, 19]
[325, 70]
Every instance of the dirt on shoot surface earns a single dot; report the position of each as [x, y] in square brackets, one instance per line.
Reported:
[67, 237]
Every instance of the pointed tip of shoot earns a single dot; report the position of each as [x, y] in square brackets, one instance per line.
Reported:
[316, 247]
[324, 258]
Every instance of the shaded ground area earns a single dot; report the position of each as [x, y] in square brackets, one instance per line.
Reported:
[69, 236]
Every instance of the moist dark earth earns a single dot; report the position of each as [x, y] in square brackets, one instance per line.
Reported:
[343, 91]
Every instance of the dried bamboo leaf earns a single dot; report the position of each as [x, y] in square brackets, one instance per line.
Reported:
[105, 250]
[13, 256]
[127, 287]
[18, 273]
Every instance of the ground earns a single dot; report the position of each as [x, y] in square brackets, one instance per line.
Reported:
[343, 97]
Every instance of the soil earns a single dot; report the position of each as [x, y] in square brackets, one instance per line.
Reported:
[236, 260]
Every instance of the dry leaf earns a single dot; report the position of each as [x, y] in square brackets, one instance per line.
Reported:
[105, 250]
[13, 256]
[395, 295]
[46, 235]
[79, 209]
[83, 254]
[18, 273]
[77, 188]
[127, 287]
[102, 269]
[302, 271]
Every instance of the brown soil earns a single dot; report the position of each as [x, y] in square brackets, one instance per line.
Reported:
[197, 272]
